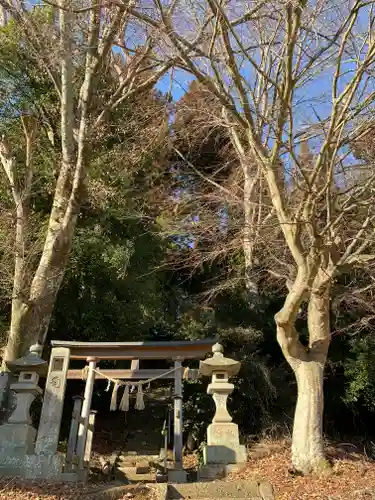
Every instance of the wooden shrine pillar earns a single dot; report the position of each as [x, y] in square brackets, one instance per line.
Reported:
[85, 413]
[178, 421]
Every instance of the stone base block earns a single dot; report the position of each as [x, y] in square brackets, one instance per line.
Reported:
[17, 439]
[223, 434]
[218, 471]
[70, 477]
[211, 472]
[12, 464]
[177, 476]
[220, 490]
[45, 466]
[32, 466]
[223, 445]
[216, 454]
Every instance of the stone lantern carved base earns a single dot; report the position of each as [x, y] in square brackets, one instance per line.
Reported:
[17, 458]
[17, 438]
[223, 445]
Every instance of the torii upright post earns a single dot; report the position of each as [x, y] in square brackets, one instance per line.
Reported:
[177, 451]
[177, 475]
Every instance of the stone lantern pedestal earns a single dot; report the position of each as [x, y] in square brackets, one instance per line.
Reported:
[17, 436]
[223, 444]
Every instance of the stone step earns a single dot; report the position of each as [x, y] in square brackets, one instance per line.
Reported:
[139, 458]
[130, 474]
[255, 490]
[140, 466]
[119, 491]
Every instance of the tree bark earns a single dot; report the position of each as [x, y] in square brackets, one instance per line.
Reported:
[21, 197]
[31, 315]
[252, 208]
[308, 365]
[15, 343]
[307, 441]
[251, 182]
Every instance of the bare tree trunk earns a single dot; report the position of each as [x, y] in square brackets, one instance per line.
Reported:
[21, 196]
[30, 320]
[308, 365]
[251, 182]
[3, 17]
[15, 348]
[252, 207]
[31, 315]
[307, 441]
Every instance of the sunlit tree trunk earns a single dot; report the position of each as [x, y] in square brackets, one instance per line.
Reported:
[307, 441]
[308, 365]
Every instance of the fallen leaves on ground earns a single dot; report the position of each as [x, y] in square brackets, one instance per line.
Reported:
[16, 488]
[190, 462]
[20, 489]
[351, 478]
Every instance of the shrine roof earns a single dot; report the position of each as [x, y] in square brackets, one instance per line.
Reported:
[183, 349]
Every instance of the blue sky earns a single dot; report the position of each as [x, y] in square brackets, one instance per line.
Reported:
[177, 84]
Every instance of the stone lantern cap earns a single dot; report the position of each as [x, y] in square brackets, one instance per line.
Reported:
[31, 362]
[219, 363]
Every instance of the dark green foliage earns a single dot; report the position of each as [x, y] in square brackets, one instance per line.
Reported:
[110, 291]
[359, 372]
[199, 409]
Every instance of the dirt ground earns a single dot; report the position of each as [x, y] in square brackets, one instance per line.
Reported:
[352, 478]
[17, 489]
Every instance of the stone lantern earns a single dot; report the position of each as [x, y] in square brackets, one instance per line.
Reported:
[18, 435]
[223, 445]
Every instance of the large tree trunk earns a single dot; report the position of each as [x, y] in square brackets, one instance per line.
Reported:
[30, 317]
[307, 441]
[308, 365]
[14, 347]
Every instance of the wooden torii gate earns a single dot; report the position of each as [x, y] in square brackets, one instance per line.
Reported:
[93, 352]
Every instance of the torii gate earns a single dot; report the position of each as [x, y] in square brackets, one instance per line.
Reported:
[93, 353]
